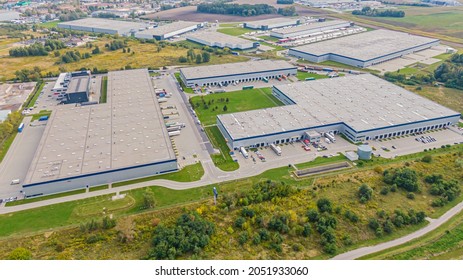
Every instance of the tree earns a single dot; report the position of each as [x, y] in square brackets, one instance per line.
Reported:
[96, 50]
[365, 193]
[182, 59]
[427, 159]
[148, 199]
[404, 178]
[324, 205]
[206, 57]
[198, 59]
[20, 253]
[225, 108]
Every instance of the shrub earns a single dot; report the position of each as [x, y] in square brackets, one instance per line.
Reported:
[410, 195]
[365, 193]
[108, 223]
[243, 237]
[405, 178]
[324, 205]
[256, 239]
[297, 247]
[313, 215]
[373, 224]
[307, 230]
[427, 159]
[239, 222]
[247, 212]
[384, 190]
[264, 234]
[330, 248]
[20, 253]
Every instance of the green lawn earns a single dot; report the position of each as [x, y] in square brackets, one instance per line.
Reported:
[35, 199]
[303, 75]
[223, 160]
[233, 24]
[238, 101]
[189, 173]
[98, 188]
[49, 24]
[269, 38]
[40, 114]
[184, 87]
[321, 161]
[234, 31]
[104, 90]
[35, 95]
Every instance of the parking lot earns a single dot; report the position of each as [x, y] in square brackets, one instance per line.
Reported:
[408, 144]
[18, 159]
[189, 144]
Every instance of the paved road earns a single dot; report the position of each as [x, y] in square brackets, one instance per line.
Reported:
[433, 224]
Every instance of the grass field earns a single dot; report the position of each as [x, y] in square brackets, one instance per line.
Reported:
[184, 87]
[321, 161]
[188, 173]
[49, 24]
[444, 243]
[239, 101]
[42, 113]
[269, 38]
[223, 160]
[449, 97]
[304, 75]
[144, 56]
[30, 102]
[35, 199]
[104, 90]
[234, 31]
[98, 188]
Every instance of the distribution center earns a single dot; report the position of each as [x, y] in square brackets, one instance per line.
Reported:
[269, 24]
[122, 139]
[362, 108]
[220, 40]
[364, 49]
[236, 72]
[107, 26]
[310, 28]
[169, 30]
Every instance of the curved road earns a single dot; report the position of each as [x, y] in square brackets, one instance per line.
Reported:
[433, 224]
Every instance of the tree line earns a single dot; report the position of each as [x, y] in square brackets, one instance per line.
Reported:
[236, 9]
[37, 49]
[369, 12]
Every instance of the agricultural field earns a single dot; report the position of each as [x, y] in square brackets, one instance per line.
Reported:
[275, 226]
[142, 55]
[209, 106]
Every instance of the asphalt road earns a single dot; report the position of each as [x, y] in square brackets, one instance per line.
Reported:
[433, 224]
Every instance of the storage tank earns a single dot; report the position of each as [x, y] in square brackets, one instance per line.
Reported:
[364, 152]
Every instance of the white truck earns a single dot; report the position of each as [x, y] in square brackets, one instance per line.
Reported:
[276, 149]
[244, 152]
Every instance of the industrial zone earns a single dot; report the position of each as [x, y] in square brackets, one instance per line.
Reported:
[147, 127]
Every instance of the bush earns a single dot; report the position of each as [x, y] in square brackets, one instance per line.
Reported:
[427, 159]
[384, 190]
[243, 237]
[239, 222]
[404, 178]
[108, 223]
[307, 230]
[313, 215]
[297, 247]
[373, 224]
[256, 239]
[365, 193]
[324, 205]
[411, 196]
[247, 212]
[20, 253]
[264, 234]
[279, 223]
[330, 248]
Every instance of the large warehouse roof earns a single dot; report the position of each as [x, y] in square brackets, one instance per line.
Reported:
[362, 102]
[212, 37]
[127, 131]
[119, 26]
[272, 21]
[240, 68]
[168, 28]
[366, 46]
[311, 26]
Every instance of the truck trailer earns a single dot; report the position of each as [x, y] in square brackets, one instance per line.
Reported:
[276, 149]
[244, 152]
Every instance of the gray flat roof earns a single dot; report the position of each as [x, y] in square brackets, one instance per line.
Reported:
[367, 45]
[212, 36]
[117, 25]
[240, 68]
[272, 21]
[78, 84]
[309, 26]
[362, 102]
[168, 28]
[126, 131]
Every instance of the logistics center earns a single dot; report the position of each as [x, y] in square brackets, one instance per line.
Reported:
[361, 108]
[92, 145]
[220, 40]
[310, 28]
[269, 24]
[169, 30]
[364, 49]
[107, 26]
[236, 72]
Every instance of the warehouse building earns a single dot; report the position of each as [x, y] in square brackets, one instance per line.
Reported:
[339, 106]
[220, 40]
[6, 15]
[169, 30]
[123, 139]
[269, 24]
[77, 90]
[364, 49]
[236, 72]
[308, 29]
[107, 26]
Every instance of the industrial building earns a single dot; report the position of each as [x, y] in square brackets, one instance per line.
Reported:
[326, 3]
[77, 90]
[122, 139]
[310, 28]
[269, 24]
[6, 15]
[362, 108]
[169, 30]
[236, 72]
[107, 26]
[364, 49]
[220, 40]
